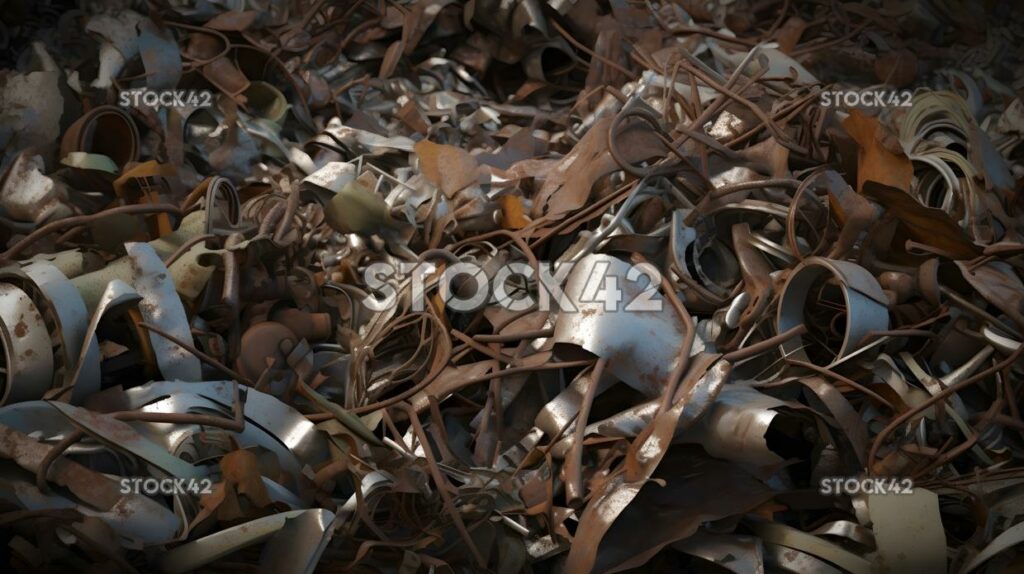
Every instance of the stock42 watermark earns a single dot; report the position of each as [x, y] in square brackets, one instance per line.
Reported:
[516, 286]
[157, 99]
[871, 98]
[851, 486]
[166, 486]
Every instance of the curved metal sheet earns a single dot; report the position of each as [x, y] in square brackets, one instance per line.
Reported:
[73, 319]
[162, 307]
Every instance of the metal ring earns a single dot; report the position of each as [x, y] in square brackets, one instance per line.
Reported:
[65, 315]
[866, 304]
[26, 345]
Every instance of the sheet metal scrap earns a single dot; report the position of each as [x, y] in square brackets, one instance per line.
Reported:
[520, 286]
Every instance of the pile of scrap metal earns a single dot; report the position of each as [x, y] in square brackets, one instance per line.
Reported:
[233, 338]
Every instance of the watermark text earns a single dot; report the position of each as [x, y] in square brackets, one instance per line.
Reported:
[851, 486]
[145, 97]
[166, 486]
[880, 98]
